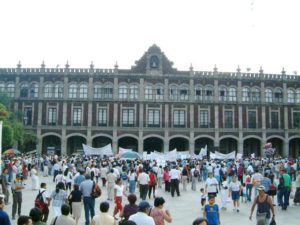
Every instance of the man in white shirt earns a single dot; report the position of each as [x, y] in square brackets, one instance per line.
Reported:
[143, 180]
[175, 176]
[47, 200]
[141, 217]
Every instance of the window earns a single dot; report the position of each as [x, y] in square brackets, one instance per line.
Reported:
[173, 92]
[274, 120]
[298, 96]
[184, 93]
[2, 87]
[97, 91]
[72, 91]
[108, 91]
[153, 118]
[208, 94]
[278, 95]
[159, 92]
[123, 91]
[179, 118]
[228, 119]
[77, 114]
[24, 91]
[251, 119]
[52, 116]
[232, 94]
[296, 120]
[11, 90]
[134, 91]
[58, 90]
[48, 90]
[102, 117]
[290, 96]
[27, 115]
[269, 97]
[83, 91]
[198, 93]
[204, 118]
[128, 117]
[34, 90]
[149, 92]
[246, 95]
[255, 94]
[223, 94]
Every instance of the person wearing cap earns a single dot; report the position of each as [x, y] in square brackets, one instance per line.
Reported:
[264, 204]
[141, 217]
[17, 186]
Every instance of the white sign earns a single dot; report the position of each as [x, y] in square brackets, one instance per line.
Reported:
[106, 150]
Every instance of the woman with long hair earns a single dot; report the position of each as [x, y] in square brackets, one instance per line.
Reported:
[34, 178]
[59, 197]
[75, 199]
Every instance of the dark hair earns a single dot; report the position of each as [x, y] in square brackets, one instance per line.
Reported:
[198, 221]
[59, 186]
[43, 185]
[159, 201]
[23, 220]
[35, 214]
[131, 198]
[129, 222]
[76, 187]
[66, 172]
[1, 200]
[65, 209]
[104, 206]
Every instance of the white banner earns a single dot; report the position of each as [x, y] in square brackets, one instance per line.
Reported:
[219, 155]
[239, 156]
[172, 155]
[106, 150]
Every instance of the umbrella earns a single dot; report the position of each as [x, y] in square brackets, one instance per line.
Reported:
[130, 155]
[11, 151]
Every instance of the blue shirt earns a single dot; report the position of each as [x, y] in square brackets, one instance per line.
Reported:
[212, 214]
[4, 219]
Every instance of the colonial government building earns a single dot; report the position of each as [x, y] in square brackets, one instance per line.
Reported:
[153, 106]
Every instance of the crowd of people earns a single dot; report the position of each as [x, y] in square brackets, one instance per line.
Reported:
[79, 180]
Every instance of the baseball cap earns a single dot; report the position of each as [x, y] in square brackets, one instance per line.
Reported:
[144, 205]
[261, 188]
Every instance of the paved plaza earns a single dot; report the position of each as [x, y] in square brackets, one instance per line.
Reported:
[184, 209]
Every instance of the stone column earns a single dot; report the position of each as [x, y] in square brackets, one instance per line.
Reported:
[166, 141]
[142, 91]
[115, 121]
[286, 145]
[89, 125]
[116, 89]
[115, 142]
[166, 119]
[262, 144]
[166, 90]
[192, 143]
[63, 142]
[140, 143]
[286, 118]
[39, 128]
[240, 142]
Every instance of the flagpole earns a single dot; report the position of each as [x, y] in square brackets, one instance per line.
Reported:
[1, 122]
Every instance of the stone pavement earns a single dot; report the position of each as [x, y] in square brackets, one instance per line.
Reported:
[184, 209]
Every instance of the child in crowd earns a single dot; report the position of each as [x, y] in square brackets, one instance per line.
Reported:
[211, 211]
[203, 198]
[243, 193]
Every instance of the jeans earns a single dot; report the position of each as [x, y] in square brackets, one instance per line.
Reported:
[143, 191]
[175, 187]
[284, 197]
[249, 191]
[17, 203]
[132, 185]
[89, 208]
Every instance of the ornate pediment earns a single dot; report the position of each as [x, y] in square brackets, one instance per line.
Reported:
[153, 60]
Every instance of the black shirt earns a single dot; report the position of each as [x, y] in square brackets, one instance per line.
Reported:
[76, 196]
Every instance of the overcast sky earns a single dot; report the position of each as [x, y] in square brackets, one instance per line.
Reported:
[248, 33]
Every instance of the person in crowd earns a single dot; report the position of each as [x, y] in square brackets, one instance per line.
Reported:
[25, 173]
[184, 177]
[46, 199]
[256, 178]
[131, 208]
[58, 197]
[285, 187]
[17, 186]
[266, 182]
[111, 180]
[264, 205]
[297, 192]
[4, 218]
[200, 221]
[132, 181]
[211, 211]
[235, 187]
[88, 201]
[142, 216]
[60, 177]
[203, 198]
[195, 173]
[143, 180]
[63, 218]
[211, 185]
[175, 177]
[249, 185]
[36, 216]
[159, 214]
[103, 174]
[75, 199]
[24, 220]
[4, 185]
[125, 178]
[45, 167]
[167, 179]
[56, 169]
[160, 173]
[119, 191]
[79, 178]
[34, 178]
[103, 218]
[152, 183]
[68, 178]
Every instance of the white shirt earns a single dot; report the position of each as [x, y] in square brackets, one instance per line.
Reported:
[210, 184]
[235, 186]
[45, 195]
[141, 218]
[143, 178]
[175, 174]
[119, 190]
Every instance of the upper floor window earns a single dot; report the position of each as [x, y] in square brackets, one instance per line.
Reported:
[123, 91]
[198, 93]
[52, 116]
[296, 120]
[173, 92]
[97, 91]
[149, 92]
[290, 96]
[27, 115]
[246, 94]
[73, 91]
[2, 87]
[297, 96]
[134, 91]
[77, 116]
[228, 119]
[24, 92]
[83, 91]
[58, 90]
[102, 117]
[128, 117]
[232, 94]
[208, 93]
[204, 119]
[153, 117]
[269, 95]
[11, 90]
[34, 90]
[223, 94]
[184, 92]
[159, 92]
[278, 95]
[251, 119]
[108, 91]
[48, 90]
[179, 118]
[255, 95]
[274, 120]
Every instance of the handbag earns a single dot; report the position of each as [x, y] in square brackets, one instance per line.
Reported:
[273, 222]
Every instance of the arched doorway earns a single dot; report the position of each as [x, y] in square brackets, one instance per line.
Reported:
[294, 148]
[250, 146]
[101, 141]
[277, 143]
[74, 144]
[202, 142]
[181, 144]
[228, 145]
[51, 143]
[128, 143]
[153, 144]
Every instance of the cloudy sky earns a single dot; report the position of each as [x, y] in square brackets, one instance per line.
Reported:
[248, 33]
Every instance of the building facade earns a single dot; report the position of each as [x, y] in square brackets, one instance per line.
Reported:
[153, 106]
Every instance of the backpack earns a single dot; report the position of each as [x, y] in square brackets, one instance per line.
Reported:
[124, 176]
[196, 173]
[39, 201]
[96, 191]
